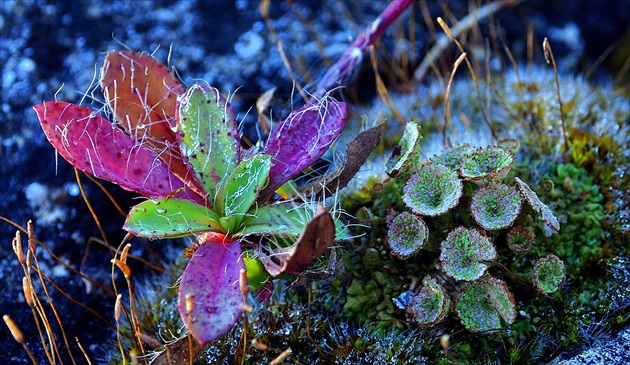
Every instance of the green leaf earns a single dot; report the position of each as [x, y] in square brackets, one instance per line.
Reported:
[282, 219]
[209, 138]
[285, 219]
[163, 217]
[257, 276]
[242, 188]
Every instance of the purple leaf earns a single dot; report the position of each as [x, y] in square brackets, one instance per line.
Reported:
[211, 284]
[97, 147]
[301, 139]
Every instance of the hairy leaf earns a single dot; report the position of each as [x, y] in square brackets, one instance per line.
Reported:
[163, 217]
[242, 188]
[280, 219]
[209, 138]
[142, 93]
[301, 139]
[314, 240]
[209, 299]
[95, 146]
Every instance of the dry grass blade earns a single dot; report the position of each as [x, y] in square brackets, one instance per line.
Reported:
[548, 56]
[463, 25]
[447, 109]
[381, 89]
[91, 209]
[450, 34]
[282, 356]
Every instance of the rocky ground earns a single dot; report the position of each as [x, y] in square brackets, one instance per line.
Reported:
[48, 44]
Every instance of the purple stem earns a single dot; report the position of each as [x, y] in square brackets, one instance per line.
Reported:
[346, 64]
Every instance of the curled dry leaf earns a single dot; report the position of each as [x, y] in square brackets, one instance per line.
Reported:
[357, 152]
[316, 238]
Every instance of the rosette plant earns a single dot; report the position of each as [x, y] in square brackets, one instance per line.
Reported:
[181, 149]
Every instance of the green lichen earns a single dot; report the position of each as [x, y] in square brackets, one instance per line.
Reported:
[454, 157]
[520, 238]
[495, 206]
[433, 190]
[464, 252]
[406, 234]
[485, 165]
[403, 160]
[548, 274]
[480, 305]
[430, 305]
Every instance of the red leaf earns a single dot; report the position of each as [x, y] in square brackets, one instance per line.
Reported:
[142, 93]
[96, 146]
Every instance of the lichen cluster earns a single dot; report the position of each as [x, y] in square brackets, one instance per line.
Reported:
[470, 184]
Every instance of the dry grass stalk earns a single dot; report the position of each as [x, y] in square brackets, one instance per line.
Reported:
[549, 55]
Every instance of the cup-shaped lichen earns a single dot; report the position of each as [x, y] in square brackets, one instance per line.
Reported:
[547, 215]
[404, 158]
[406, 234]
[454, 157]
[519, 239]
[485, 165]
[433, 191]
[463, 253]
[495, 206]
[430, 305]
[548, 274]
[482, 304]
